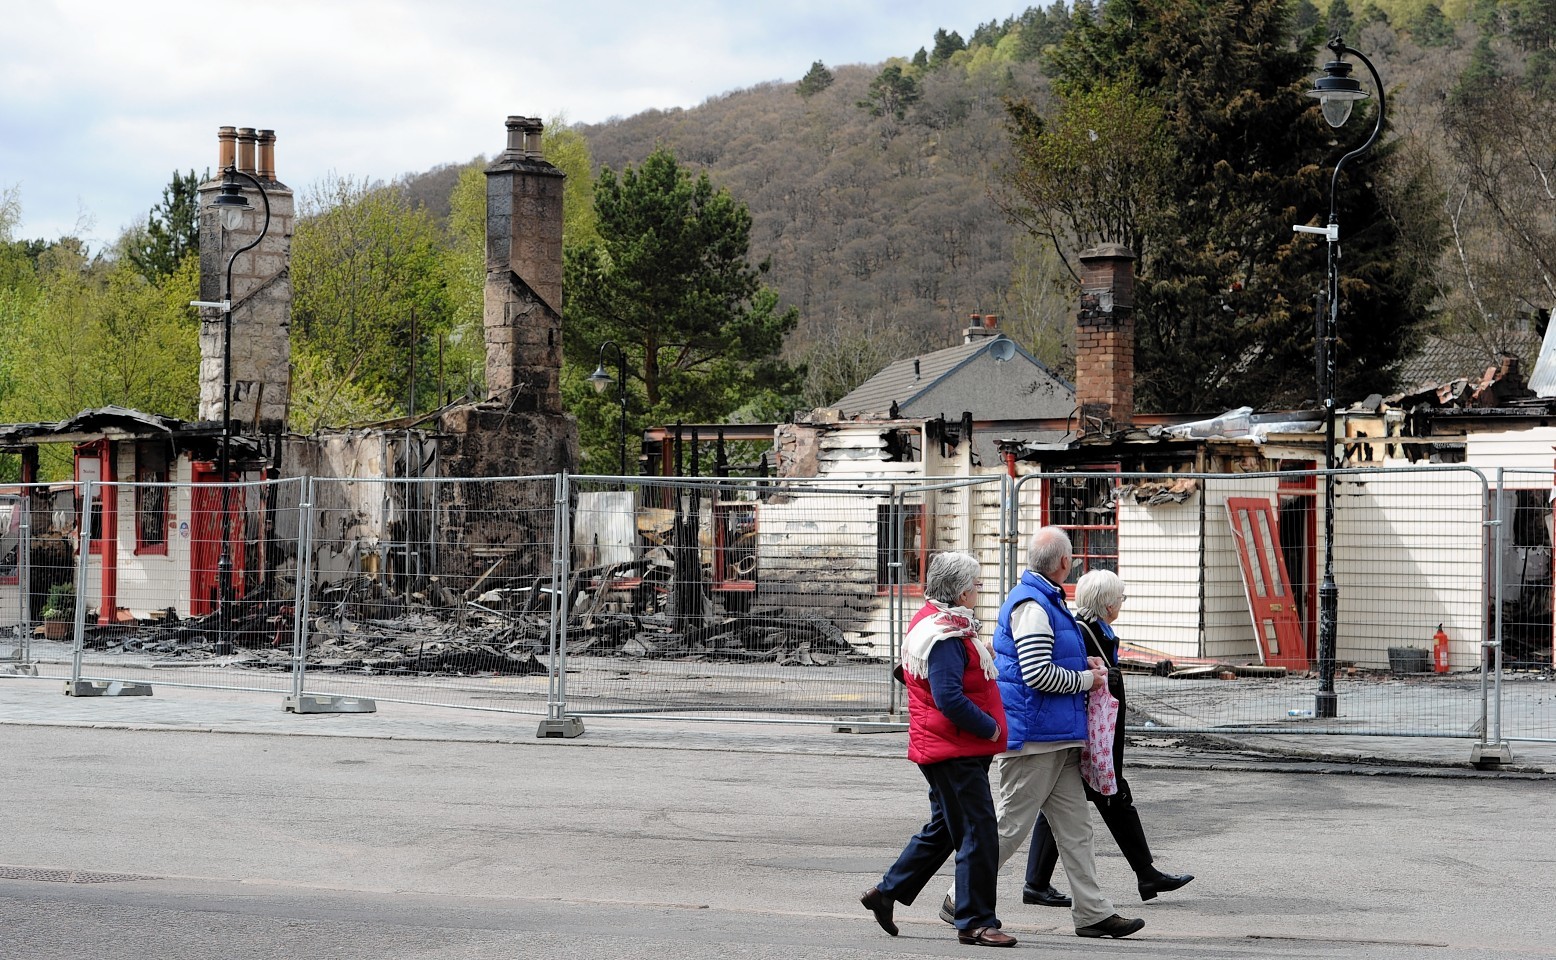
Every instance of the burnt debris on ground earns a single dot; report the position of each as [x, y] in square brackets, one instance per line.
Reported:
[359, 625]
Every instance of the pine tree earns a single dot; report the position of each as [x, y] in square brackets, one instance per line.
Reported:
[1341, 21]
[816, 79]
[669, 280]
[1224, 305]
[945, 45]
[172, 229]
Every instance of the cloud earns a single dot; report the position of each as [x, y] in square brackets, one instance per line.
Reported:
[101, 101]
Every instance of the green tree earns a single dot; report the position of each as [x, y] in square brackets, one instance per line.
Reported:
[669, 280]
[891, 93]
[464, 354]
[17, 299]
[946, 44]
[1304, 16]
[1341, 20]
[370, 284]
[1531, 23]
[172, 230]
[95, 333]
[1096, 172]
[1224, 299]
[1038, 29]
[1430, 28]
[816, 79]
[991, 33]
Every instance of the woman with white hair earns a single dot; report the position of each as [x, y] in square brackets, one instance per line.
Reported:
[956, 724]
[1099, 596]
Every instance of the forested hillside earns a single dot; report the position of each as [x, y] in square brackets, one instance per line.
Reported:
[884, 203]
[882, 230]
[885, 228]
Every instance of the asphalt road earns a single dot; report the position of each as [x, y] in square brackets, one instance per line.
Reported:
[211, 845]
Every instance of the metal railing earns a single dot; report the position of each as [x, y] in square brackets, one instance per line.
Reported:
[756, 600]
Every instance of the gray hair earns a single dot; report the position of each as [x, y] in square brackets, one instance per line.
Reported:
[1050, 547]
[1096, 591]
[950, 575]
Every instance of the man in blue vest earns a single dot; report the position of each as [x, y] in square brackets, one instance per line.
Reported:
[1044, 674]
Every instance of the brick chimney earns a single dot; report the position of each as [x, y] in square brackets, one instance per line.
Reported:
[261, 288]
[524, 274]
[1105, 335]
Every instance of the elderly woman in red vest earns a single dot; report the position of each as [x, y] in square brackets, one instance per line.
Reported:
[956, 724]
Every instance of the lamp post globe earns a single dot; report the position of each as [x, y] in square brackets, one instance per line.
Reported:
[601, 382]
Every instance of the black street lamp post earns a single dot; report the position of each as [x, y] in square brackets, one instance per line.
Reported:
[601, 381]
[1336, 92]
[232, 205]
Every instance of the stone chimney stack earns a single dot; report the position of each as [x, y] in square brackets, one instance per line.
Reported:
[519, 430]
[980, 327]
[261, 289]
[1105, 335]
[524, 274]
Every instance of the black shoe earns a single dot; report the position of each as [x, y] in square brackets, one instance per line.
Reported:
[985, 937]
[879, 904]
[948, 910]
[1046, 897]
[1114, 926]
[1162, 883]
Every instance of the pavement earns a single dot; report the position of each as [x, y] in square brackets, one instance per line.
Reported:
[202, 822]
[32, 701]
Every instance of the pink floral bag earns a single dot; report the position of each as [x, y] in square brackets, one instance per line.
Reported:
[1097, 755]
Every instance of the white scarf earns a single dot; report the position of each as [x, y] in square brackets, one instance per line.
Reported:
[948, 622]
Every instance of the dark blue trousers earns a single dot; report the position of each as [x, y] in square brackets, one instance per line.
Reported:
[961, 821]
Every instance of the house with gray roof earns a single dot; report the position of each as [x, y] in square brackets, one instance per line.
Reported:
[987, 374]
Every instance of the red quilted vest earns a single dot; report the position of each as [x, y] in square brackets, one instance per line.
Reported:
[932, 737]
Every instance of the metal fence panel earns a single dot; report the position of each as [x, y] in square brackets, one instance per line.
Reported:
[1521, 696]
[729, 598]
[37, 578]
[433, 591]
[153, 603]
[1409, 553]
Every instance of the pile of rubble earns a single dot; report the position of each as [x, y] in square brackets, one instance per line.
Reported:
[359, 626]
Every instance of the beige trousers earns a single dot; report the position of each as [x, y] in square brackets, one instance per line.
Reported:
[1051, 783]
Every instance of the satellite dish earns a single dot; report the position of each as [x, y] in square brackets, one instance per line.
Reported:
[1003, 349]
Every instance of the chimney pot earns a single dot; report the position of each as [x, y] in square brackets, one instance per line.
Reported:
[226, 147]
[267, 155]
[978, 327]
[990, 321]
[246, 150]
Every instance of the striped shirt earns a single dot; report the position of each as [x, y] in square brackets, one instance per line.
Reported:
[1034, 639]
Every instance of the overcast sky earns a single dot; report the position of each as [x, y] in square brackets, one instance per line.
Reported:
[100, 100]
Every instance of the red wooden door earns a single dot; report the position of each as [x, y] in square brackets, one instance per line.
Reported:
[1276, 625]
[205, 539]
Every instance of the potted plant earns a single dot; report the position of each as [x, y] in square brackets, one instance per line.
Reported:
[59, 611]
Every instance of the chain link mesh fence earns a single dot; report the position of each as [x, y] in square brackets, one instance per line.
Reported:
[1223, 573]
[785, 599]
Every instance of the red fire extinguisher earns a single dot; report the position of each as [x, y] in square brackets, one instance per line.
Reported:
[1440, 650]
